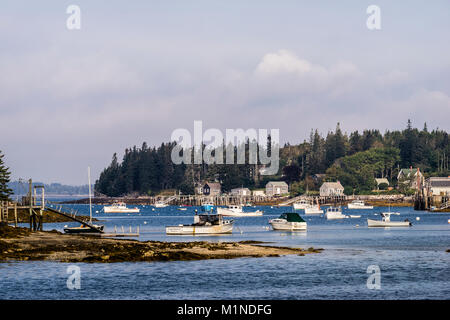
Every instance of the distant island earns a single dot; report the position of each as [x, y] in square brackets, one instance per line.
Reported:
[52, 189]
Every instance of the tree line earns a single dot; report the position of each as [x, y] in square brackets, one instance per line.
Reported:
[355, 159]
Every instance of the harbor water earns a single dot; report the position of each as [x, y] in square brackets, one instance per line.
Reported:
[413, 261]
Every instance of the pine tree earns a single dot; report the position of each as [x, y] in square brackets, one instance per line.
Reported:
[5, 191]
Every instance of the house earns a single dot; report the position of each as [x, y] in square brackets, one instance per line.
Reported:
[411, 177]
[438, 186]
[259, 193]
[240, 192]
[211, 189]
[331, 189]
[198, 188]
[381, 181]
[276, 187]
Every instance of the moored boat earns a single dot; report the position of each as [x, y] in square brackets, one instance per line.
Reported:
[289, 221]
[120, 207]
[386, 221]
[207, 206]
[203, 224]
[160, 204]
[334, 213]
[237, 211]
[300, 205]
[358, 204]
[313, 209]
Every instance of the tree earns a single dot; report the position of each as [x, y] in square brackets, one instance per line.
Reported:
[5, 191]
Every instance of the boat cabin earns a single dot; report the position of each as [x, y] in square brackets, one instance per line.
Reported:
[208, 219]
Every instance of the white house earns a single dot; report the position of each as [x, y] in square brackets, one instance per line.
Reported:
[240, 192]
[438, 185]
[276, 187]
[331, 189]
[258, 193]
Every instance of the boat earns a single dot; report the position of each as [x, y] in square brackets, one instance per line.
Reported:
[313, 209]
[333, 213]
[354, 216]
[160, 204]
[207, 206]
[358, 204]
[289, 221]
[120, 207]
[86, 228]
[386, 221]
[300, 205]
[236, 211]
[203, 224]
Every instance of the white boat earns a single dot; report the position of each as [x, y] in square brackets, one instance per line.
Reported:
[203, 224]
[160, 204]
[334, 213]
[119, 207]
[358, 204]
[289, 221]
[300, 205]
[355, 216]
[313, 209]
[236, 211]
[386, 221]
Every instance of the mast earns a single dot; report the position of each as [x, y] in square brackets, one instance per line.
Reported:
[90, 196]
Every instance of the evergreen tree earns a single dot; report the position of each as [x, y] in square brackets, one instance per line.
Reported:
[5, 191]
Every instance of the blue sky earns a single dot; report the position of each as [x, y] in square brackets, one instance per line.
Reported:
[135, 72]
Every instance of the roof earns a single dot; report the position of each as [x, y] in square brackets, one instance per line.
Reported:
[382, 180]
[277, 183]
[332, 185]
[291, 217]
[439, 182]
[238, 189]
[213, 185]
[408, 171]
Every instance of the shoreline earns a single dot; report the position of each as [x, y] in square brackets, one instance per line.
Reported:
[19, 244]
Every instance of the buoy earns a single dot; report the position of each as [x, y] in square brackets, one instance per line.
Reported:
[145, 222]
[96, 211]
[357, 225]
[417, 218]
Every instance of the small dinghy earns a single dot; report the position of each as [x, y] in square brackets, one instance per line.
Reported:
[386, 221]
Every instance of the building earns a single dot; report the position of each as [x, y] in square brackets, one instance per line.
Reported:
[276, 188]
[211, 189]
[329, 189]
[240, 192]
[381, 181]
[438, 186]
[411, 177]
[259, 193]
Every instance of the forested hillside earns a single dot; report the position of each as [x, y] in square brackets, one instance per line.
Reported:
[355, 159]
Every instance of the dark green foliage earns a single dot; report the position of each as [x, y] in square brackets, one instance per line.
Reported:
[354, 159]
[5, 191]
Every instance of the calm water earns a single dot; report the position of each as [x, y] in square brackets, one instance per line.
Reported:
[413, 262]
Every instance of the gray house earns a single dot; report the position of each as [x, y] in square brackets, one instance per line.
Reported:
[276, 187]
[329, 189]
[211, 189]
[240, 192]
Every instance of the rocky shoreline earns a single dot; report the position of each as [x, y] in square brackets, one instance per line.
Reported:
[19, 244]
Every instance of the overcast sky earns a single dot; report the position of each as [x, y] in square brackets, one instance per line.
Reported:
[137, 70]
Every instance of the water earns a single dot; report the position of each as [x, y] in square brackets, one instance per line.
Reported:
[413, 261]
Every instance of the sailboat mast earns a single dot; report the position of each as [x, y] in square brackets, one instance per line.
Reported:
[90, 196]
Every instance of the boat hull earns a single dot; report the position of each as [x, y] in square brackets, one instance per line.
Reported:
[288, 226]
[76, 230]
[112, 210]
[353, 206]
[334, 216]
[197, 230]
[376, 223]
[313, 211]
[299, 206]
[230, 213]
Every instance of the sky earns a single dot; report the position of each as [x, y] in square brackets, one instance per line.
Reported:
[137, 70]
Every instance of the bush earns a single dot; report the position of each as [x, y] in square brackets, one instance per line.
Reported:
[383, 186]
